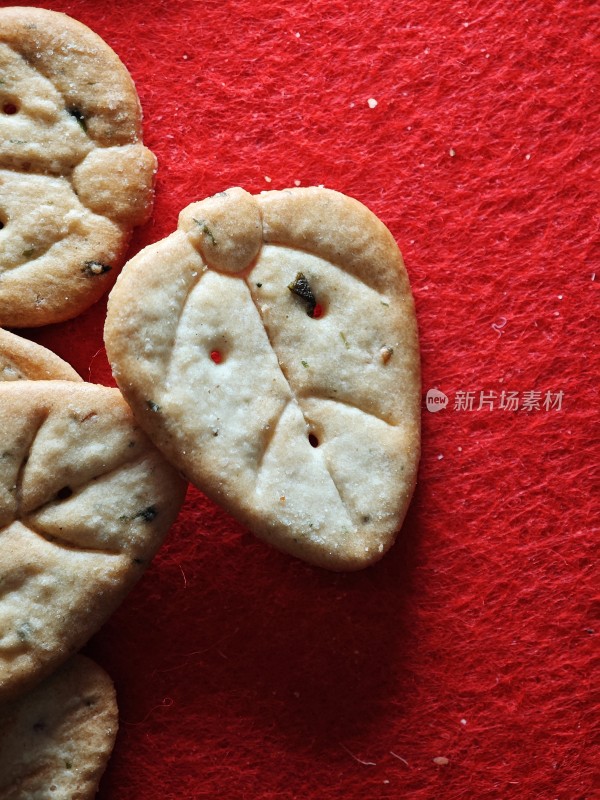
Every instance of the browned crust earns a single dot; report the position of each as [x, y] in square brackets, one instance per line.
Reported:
[48, 297]
[69, 54]
[60, 734]
[87, 574]
[115, 180]
[318, 221]
[32, 361]
[356, 238]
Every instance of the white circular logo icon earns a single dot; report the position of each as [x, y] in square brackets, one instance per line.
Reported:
[435, 400]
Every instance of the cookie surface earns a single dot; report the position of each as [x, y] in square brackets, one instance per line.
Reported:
[85, 502]
[304, 425]
[21, 359]
[74, 176]
[56, 740]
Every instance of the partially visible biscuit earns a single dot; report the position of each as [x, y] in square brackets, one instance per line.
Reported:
[269, 348]
[75, 177]
[21, 359]
[85, 502]
[56, 741]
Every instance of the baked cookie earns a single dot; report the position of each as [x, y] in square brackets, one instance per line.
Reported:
[85, 502]
[75, 177]
[21, 359]
[56, 741]
[269, 348]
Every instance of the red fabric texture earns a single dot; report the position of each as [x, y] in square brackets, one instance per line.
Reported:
[472, 131]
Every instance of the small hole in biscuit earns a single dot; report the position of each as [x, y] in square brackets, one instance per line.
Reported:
[216, 356]
[313, 441]
[9, 108]
[64, 493]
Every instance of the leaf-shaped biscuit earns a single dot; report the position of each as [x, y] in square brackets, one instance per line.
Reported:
[21, 359]
[57, 739]
[75, 177]
[269, 348]
[85, 502]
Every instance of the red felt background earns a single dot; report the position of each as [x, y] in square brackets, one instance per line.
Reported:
[246, 675]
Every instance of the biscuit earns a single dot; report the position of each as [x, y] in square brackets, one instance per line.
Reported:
[21, 359]
[75, 177]
[269, 348]
[56, 741]
[85, 502]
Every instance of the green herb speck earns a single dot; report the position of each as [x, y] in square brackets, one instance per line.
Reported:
[68, 765]
[206, 230]
[29, 252]
[344, 340]
[383, 303]
[305, 364]
[152, 405]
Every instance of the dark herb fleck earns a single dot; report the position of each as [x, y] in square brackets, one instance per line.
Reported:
[152, 405]
[305, 364]
[29, 252]
[68, 765]
[75, 112]
[64, 493]
[138, 560]
[131, 444]
[148, 514]
[38, 726]
[24, 631]
[301, 287]
[259, 285]
[206, 230]
[96, 268]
